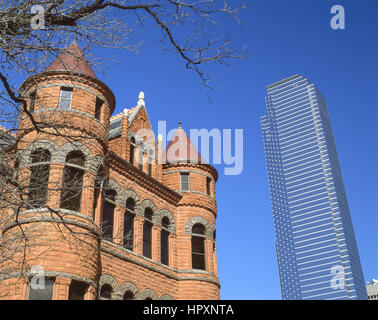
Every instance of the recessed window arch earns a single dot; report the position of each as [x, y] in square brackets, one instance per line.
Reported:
[128, 295]
[73, 176]
[198, 246]
[77, 290]
[147, 233]
[128, 224]
[106, 291]
[164, 241]
[39, 178]
[108, 214]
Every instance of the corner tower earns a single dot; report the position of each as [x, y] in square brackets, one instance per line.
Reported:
[185, 172]
[62, 141]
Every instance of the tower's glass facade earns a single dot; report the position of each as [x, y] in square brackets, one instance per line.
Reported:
[316, 248]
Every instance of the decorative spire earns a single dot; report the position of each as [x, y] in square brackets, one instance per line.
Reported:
[141, 99]
[180, 123]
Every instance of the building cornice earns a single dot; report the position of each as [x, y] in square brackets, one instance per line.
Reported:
[47, 75]
[203, 166]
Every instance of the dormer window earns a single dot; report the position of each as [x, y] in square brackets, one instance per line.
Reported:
[65, 99]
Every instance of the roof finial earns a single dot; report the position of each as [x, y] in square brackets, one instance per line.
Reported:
[180, 122]
[141, 99]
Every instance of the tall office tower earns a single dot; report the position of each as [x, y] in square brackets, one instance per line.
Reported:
[316, 248]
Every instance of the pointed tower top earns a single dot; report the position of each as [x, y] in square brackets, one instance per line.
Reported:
[72, 60]
[181, 149]
[179, 124]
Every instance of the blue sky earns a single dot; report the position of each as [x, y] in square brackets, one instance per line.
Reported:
[285, 37]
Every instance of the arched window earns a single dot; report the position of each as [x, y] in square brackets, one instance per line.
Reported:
[99, 103]
[147, 233]
[148, 298]
[77, 290]
[128, 224]
[73, 181]
[128, 295]
[108, 215]
[164, 238]
[214, 239]
[132, 150]
[106, 291]
[39, 178]
[198, 247]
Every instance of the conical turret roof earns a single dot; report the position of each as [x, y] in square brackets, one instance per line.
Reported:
[72, 60]
[181, 149]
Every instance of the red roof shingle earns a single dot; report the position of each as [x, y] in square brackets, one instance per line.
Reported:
[181, 149]
[72, 60]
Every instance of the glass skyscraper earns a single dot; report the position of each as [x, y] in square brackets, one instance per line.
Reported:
[316, 248]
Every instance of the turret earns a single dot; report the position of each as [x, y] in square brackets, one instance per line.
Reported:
[59, 162]
[185, 172]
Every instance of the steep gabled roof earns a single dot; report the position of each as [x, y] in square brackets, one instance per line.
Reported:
[72, 60]
[181, 149]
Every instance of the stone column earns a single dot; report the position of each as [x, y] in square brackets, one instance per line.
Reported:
[138, 234]
[118, 225]
[98, 210]
[215, 266]
[172, 250]
[91, 293]
[55, 184]
[61, 288]
[156, 244]
[88, 194]
[24, 283]
[208, 254]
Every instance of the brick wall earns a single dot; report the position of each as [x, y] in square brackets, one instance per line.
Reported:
[68, 244]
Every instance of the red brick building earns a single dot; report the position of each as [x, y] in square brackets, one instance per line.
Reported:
[147, 232]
